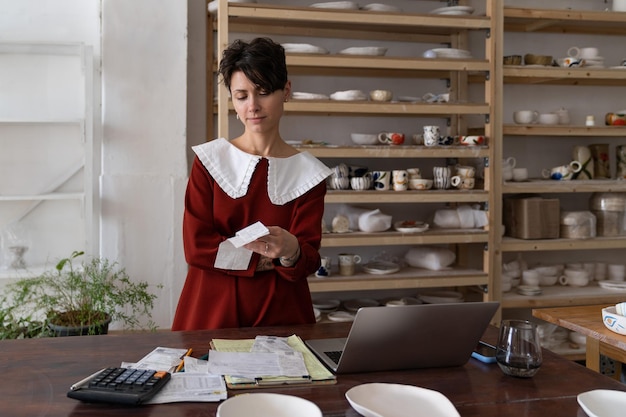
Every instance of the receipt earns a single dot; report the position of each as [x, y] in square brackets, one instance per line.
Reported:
[232, 255]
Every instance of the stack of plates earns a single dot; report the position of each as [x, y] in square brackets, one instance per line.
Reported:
[379, 7]
[364, 50]
[452, 53]
[297, 95]
[454, 10]
[354, 305]
[326, 306]
[437, 297]
[529, 290]
[613, 285]
[597, 62]
[349, 95]
[340, 316]
[381, 267]
[350, 5]
[303, 48]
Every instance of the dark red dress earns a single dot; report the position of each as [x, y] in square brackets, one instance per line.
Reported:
[217, 298]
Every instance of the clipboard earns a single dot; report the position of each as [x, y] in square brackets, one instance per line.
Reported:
[318, 373]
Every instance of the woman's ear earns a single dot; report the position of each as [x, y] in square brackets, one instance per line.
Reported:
[287, 90]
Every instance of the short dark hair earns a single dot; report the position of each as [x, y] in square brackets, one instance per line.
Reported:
[261, 60]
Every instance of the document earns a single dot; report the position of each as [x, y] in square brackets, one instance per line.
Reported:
[255, 365]
[192, 387]
[231, 254]
[162, 359]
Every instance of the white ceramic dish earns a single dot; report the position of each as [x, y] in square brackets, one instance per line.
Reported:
[364, 50]
[398, 400]
[603, 403]
[381, 267]
[262, 404]
[613, 285]
[297, 95]
[452, 53]
[410, 226]
[613, 321]
[303, 48]
[354, 305]
[212, 6]
[380, 7]
[364, 138]
[339, 316]
[454, 10]
[348, 95]
[326, 305]
[350, 5]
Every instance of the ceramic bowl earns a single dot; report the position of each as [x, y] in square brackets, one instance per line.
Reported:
[364, 138]
[420, 184]
[512, 60]
[613, 321]
[381, 95]
[531, 59]
[267, 404]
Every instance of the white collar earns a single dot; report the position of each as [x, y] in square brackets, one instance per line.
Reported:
[287, 179]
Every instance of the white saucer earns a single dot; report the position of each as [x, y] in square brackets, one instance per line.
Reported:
[410, 226]
[326, 305]
[399, 400]
[336, 5]
[354, 305]
[603, 403]
[613, 285]
[380, 7]
[349, 95]
[381, 267]
[364, 50]
[303, 48]
[340, 316]
[452, 53]
[453, 10]
[297, 95]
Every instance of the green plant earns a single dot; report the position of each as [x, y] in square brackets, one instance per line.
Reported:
[95, 292]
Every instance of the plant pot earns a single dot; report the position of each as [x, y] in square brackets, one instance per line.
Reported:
[91, 329]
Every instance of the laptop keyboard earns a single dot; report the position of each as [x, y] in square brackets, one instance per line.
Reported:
[335, 355]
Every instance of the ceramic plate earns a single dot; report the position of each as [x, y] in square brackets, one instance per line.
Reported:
[336, 5]
[340, 316]
[398, 400]
[613, 285]
[364, 50]
[267, 404]
[303, 48]
[379, 7]
[326, 305]
[435, 297]
[452, 53]
[381, 267]
[603, 403]
[296, 95]
[618, 67]
[410, 226]
[453, 10]
[354, 305]
[213, 5]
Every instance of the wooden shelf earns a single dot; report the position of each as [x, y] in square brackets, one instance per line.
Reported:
[564, 21]
[406, 278]
[410, 196]
[572, 186]
[564, 130]
[520, 245]
[403, 151]
[563, 76]
[429, 237]
[558, 296]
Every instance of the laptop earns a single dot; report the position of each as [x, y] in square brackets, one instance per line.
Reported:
[407, 337]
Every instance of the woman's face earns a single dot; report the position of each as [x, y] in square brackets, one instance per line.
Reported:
[258, 110]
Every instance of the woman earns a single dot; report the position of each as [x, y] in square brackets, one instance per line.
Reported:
[254, 177]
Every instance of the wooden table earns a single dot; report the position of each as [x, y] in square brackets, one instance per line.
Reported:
[588, 321]
[36, 375]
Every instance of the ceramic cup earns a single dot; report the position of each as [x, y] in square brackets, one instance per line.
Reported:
[400, 179]
[441, 177]
[414, 173]
[418, 138]
[462, 183]
[347, 263]
[465, 171]
[382, 180]
[574, 281]
[582, 154]
[471, 140]
[571, 62]
[525, 117]
[562, 172]
[601, 163]
[361, 183]
[548, 119]
[420, 184]
[616, 272]
[530, 277]
[584, 53]
[325, 266]
[391, 138]
[431, 135]
[563, 116]
[520, 174]
[339, 183]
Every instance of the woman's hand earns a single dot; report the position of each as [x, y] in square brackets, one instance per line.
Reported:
[278, 244]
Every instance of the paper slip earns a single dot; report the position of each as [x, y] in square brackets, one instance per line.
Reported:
[231, 254]
[257, 364]
[271, 344]
[161, 359]
[191, 387]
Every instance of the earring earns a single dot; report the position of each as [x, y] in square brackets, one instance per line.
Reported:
[237, 115]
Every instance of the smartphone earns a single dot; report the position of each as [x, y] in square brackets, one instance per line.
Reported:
[485, 352]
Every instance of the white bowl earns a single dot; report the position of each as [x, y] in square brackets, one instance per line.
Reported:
[264, 404]
[364, 138]
[381, 95]
[613, 321]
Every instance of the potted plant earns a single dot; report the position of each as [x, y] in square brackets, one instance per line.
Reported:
[75, 300]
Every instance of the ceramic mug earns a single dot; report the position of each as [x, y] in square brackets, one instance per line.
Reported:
[441, 177]
[562, 172]
[382, 180]
[431, 135]
[574, 281]
[391, 138]
[584, 53]
[582, 154]
[325, 266]
[463, 183]
[525, 117]
[361, 183]
[420, 184]
[400, 179]
[347, 263]
[414, 173]
[601, 163]
[520, 174]
[471, 140]
[571, 62]
[465, 171]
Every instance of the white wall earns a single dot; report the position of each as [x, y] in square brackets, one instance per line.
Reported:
[142, 48]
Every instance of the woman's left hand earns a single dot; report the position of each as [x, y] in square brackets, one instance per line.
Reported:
[279, 243]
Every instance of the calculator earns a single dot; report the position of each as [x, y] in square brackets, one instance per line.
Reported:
[120, 385]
